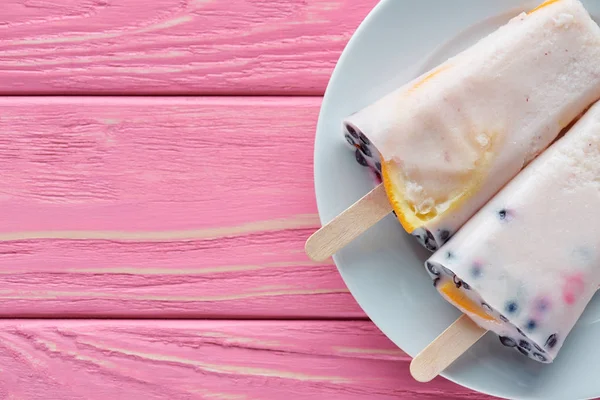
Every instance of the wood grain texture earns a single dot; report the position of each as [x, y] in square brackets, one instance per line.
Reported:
[445, 349]
[184, 360]
[170, 207]
[348, 225]
[173, 46]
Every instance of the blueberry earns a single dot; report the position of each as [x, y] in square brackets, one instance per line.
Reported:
[531, 324]
[431, 246]
[444, 235]
[429, 235]
[352, 131]
[502, 214]
[432, 268]
[363, 138]
[551, 342]
[476, 271]
[425, 238]
[542, 304]
[540, 357]
[366, 150]
[360, 158]
[505, 340]
[511, 307]
[457, 281]
[525, 344]
[523, 351]
[430, 243]
[378, 166]
[349, 140]
[503, 318]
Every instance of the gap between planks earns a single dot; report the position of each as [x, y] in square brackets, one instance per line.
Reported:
[209, 225]
[183, 360]
[173, 46]
[203, 319]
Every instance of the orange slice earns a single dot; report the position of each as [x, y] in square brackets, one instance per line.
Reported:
[467, 184]
[456, 296]
[428, 77]
[395, 189]
[544, 4]
[408, 214]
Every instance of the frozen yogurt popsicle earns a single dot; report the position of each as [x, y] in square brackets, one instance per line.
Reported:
[527, 264]
[447, 141]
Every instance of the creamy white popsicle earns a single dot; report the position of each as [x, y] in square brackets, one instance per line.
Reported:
[527, 264]
[447, 141]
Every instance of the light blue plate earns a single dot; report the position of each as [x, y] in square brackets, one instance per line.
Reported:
[383, 268]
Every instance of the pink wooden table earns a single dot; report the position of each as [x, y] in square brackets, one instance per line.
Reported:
[157, 190]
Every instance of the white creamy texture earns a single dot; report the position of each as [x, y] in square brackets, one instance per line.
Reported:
[508, 95]
[546, 249]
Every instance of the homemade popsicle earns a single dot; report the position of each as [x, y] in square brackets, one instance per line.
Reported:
[527, 264]
[447, 141]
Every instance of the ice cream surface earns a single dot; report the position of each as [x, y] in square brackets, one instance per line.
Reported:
[447, 141]
[527, 264]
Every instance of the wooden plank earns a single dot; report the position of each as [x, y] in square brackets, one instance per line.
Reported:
[178, 207]
[220, 360]
[173, 46]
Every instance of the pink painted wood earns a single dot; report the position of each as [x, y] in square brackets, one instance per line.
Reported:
[183, 360]
[177, 207]
[173, 46]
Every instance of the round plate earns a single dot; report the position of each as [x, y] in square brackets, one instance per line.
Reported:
[383, 268]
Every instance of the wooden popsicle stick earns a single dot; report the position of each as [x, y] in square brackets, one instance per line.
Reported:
[347, 226]
[445, 349]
